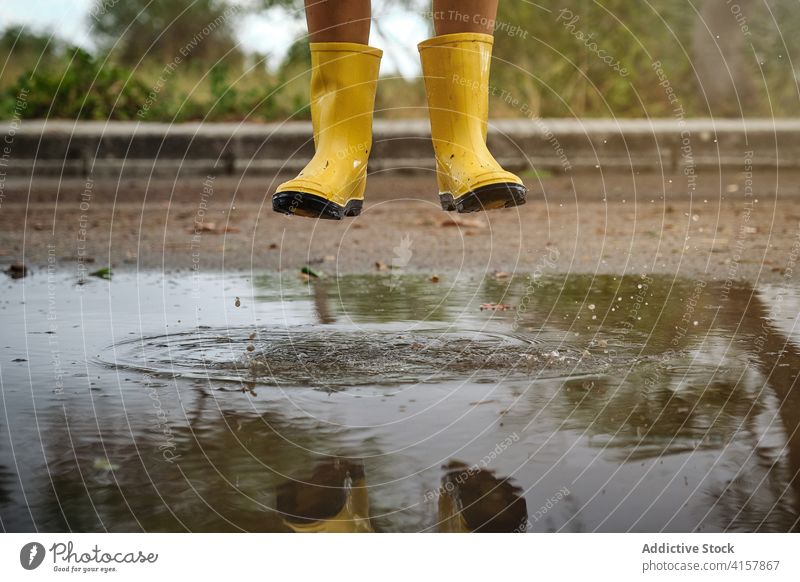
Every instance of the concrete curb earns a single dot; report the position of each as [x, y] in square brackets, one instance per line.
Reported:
[33, 148]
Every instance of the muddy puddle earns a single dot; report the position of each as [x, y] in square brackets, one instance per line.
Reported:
[395, 403]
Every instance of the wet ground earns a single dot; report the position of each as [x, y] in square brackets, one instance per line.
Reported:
[386, 402]
[741, 225]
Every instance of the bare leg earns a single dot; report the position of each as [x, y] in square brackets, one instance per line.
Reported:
[338, 20]
[452, 16]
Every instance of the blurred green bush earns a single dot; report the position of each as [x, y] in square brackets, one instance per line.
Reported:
[70, 83]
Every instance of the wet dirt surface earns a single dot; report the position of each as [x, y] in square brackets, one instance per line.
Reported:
[718, 225]
[387, 402]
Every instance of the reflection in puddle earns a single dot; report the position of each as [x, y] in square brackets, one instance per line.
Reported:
[334, 499]
[475, 500]
[386, 403]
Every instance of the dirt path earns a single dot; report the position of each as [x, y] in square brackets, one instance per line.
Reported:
[589, 223]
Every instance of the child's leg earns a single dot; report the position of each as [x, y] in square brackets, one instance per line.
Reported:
[452, 16]
[338, 21]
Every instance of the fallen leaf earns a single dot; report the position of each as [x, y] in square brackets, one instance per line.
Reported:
[105, 465]
[462, 222]
[104, 273]
[495, 307]
[17, 270]
[211, 228]
[311, 272]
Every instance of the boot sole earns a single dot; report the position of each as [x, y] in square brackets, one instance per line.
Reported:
[489, 197]
[313, 206]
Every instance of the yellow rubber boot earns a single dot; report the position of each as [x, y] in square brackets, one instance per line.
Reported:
[456, 71]
[344, 76]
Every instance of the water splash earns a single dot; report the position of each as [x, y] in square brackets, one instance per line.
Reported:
[340, 357]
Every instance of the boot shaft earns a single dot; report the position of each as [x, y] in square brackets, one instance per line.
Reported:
[344, 78]
[456, 72]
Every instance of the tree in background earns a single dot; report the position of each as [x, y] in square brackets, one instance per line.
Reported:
[585, 58]
[170, 60]
[775, 34]
[26, 50]
[133, 30]
[589, 59]
[724, 68]
[563, 63]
